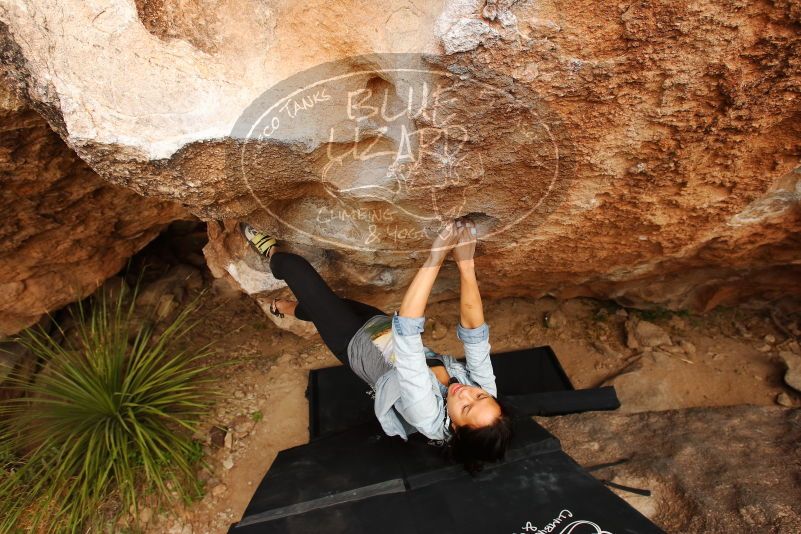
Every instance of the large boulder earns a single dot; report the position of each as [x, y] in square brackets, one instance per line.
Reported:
[637, 151]
[65, 230]
[711, 470]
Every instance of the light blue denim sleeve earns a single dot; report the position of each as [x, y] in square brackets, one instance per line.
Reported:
[419, 405]
[409, 326]
[477, 356]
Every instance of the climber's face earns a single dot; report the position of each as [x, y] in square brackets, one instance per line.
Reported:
[471, 406]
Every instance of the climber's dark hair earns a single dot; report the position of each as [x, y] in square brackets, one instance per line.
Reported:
[472, 447]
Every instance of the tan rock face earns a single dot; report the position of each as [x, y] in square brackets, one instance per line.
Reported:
[642, 152]
[65, 230]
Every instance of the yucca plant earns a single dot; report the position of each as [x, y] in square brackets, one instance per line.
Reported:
[107, 422]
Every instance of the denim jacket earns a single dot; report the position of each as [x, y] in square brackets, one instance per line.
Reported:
[408, 397]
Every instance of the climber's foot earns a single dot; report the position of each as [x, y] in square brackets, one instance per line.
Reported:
[285, 306]
[263, 243]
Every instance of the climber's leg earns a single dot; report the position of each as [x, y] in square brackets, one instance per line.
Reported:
[365, 311]
[298, 312]
[335, 319]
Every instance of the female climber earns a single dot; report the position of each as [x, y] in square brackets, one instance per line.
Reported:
[415, 389]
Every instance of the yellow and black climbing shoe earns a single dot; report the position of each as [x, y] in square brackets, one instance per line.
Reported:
[261, 242]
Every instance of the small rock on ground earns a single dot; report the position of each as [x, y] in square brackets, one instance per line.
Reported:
[793, 375]
[555, 319]
[783, 399]
[645, 334]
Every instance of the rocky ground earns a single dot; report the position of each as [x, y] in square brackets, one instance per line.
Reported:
[657, 360]
[710, 470]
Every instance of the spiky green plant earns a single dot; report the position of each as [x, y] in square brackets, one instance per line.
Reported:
[108, 421]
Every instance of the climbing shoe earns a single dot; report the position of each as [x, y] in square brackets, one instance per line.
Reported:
[261, 242]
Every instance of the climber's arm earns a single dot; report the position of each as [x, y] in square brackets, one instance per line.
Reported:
[471, 311]
[418, 404]
[472, 329]
[416, 297]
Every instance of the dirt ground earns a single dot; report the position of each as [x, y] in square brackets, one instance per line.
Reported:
[734, 361]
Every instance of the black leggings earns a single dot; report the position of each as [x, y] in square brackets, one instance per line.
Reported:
[337, 319]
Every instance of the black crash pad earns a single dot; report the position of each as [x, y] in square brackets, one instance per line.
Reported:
[363, 457]
[339, 400]
[353, 478]
[360, 480]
